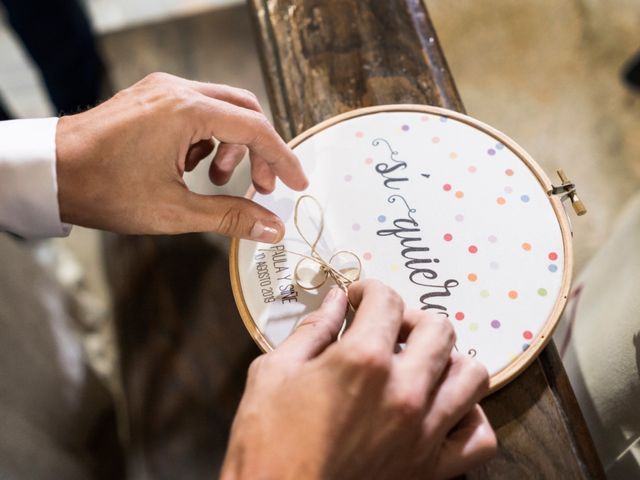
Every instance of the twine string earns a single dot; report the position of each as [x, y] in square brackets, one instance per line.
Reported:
[327, 269]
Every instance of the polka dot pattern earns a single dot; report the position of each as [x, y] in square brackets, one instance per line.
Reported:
[452, 185]
[469, 199]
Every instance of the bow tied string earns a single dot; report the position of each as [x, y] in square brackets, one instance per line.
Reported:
[327, 268]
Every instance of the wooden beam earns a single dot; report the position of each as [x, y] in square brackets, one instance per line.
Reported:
[324, 57]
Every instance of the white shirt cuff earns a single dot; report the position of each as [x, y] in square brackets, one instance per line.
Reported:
[28, 183]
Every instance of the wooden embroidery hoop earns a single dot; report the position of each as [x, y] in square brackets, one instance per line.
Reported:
[522, 361]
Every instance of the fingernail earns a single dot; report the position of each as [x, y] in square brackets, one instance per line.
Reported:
[265, 231]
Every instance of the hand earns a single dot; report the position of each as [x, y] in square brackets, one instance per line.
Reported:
[355, 409]
[120, 165]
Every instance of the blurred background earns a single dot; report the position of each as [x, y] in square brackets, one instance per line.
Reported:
[547, 73]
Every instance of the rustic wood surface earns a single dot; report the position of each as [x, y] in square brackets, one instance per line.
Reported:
[324, 57]
[184, 352]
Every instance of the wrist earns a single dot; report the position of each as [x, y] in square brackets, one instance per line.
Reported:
[72, 182]
[254, 463]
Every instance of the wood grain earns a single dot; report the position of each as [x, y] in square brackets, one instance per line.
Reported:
[325, 57]
[184, 352]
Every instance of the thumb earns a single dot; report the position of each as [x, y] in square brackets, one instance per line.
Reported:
[231, 216]
[318, 330]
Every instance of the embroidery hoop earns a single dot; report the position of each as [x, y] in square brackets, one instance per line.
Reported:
[522, 361]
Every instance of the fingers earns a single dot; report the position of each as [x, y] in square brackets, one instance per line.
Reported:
[232, 124]
[379, 312]
[318, 330]
[264, 181]
[237, 96]
[234, 115]
[471, 443]
[464, 383]
[231, 216]
[227, 158]
[427, 350]
[197, 152]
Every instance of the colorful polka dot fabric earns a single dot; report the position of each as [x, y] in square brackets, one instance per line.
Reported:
[446, 213]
